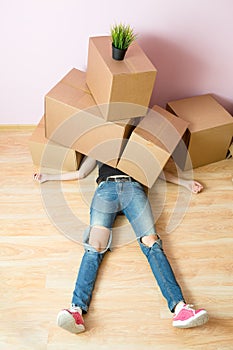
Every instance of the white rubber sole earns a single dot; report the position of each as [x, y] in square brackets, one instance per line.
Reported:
[197, 320]
[66, 321]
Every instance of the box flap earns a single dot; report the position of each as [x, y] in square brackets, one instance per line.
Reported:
[77, 79]
[71, 96]
[202, 112]
[162, 128]
[135, 59]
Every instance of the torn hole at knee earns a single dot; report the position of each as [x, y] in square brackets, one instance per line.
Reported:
[149, 240]
[99, 237]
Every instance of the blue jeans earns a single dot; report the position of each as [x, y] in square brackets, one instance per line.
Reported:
[109, 199]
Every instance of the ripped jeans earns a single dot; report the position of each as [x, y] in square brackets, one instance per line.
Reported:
[109, 199]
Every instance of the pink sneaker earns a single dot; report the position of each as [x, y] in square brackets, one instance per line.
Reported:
[71, 320]
[188, 317]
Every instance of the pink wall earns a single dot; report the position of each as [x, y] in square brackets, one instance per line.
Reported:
[189, 41]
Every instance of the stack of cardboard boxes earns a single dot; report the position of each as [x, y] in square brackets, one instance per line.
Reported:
[104, 113]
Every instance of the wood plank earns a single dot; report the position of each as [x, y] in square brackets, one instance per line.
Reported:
[39, 263]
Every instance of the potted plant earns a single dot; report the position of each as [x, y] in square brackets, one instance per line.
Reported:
[122, 37]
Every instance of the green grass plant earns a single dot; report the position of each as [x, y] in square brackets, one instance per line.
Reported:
[122, 36]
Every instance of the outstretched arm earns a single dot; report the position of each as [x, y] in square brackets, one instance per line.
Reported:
[191, 185]
[87, 165]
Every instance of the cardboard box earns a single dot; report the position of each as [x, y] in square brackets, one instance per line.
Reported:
[122, 89]
[105, 142]
[47, 154]
[209, 133]
[94, 137]
[151, 144]
[74, 121]
[69, 96]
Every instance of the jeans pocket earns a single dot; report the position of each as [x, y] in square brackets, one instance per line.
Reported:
[101, 184]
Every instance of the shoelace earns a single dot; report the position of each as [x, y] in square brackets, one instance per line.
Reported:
[74, 309]
[188, 306]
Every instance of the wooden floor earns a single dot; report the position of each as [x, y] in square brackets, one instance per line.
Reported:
[40, 258]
